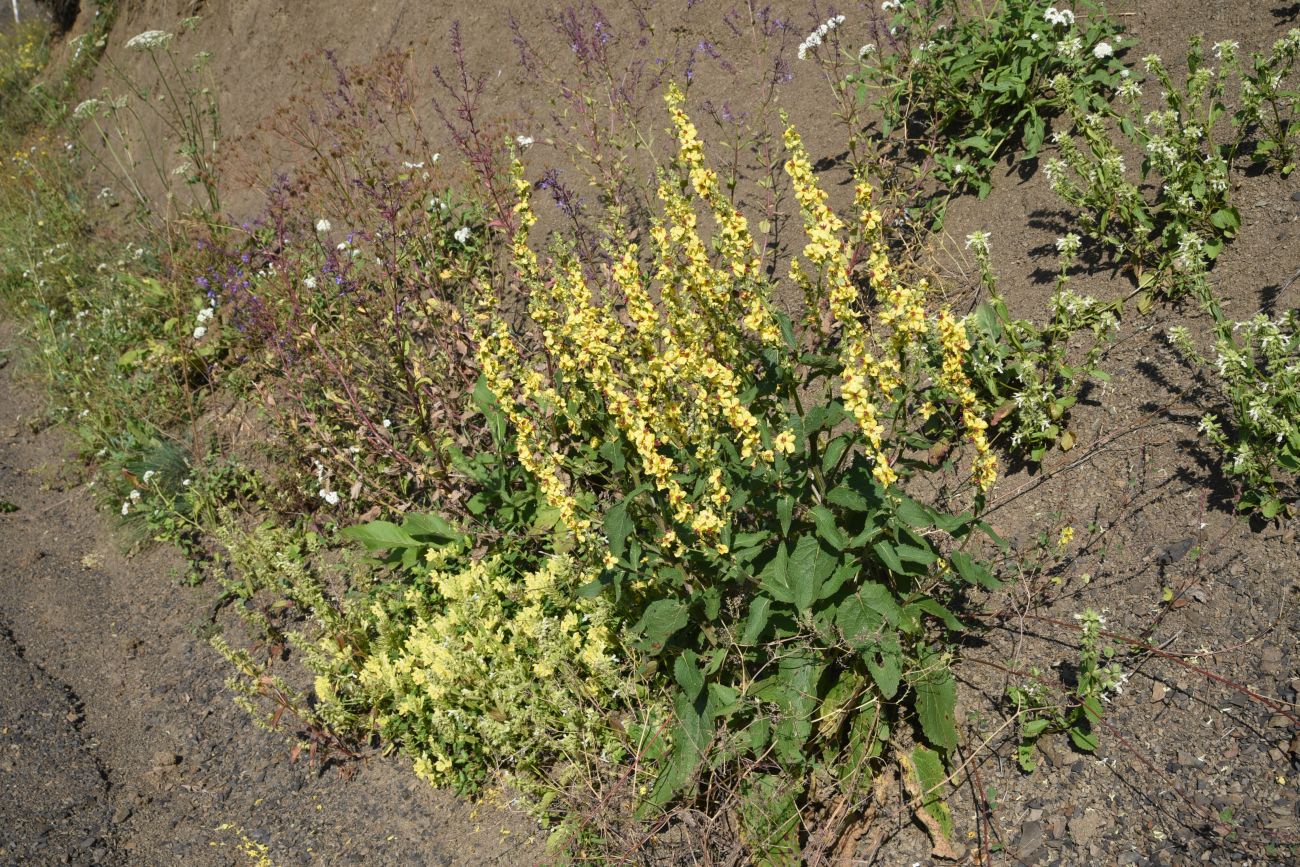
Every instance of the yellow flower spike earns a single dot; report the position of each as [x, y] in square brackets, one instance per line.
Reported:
[734, 243]
[952, 376]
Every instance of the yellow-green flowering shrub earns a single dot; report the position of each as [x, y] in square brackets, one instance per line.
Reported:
[472, 665]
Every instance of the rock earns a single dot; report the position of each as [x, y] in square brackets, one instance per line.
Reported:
[1031, 838]
[165, 759]
[1084, 829]
[1159, 691]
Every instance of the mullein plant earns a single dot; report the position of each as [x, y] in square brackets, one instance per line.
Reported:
[734, 480]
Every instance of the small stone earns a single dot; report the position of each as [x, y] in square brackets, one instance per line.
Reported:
[1159, 691]
[166, 759]
[1084, 829]
[1031, 837]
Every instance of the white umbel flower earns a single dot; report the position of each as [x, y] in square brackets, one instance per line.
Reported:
[462, 234]
[323, 225]
[149, 40]
[1102, 50]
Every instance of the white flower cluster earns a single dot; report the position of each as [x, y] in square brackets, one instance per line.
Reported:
[1102, 50]
[323, 225]
[462, 234]
[87, 109]
[978, 242]
[1058, 17]
[200, 322]
[524, 141]
[149, 40]
[816, 38]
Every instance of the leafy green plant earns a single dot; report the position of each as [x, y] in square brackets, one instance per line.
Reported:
[1079, 716]
[1269, 97]
[1257, 367]
[1170, 236]
[1028, 371]
[969, 88]
[729, 480]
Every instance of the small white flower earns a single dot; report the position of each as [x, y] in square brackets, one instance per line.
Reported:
[342, 245]
[135, 496]
[331, 497]
[148, 474]
[388, 422]
[1102, 50]
[462, 234]
[524, 141]
[309, 281]
[204, 315]
[199, 332]
[186, 482]
[865, 50]
[149, 40]
[407, 165]
[323, 225]
[126, 507]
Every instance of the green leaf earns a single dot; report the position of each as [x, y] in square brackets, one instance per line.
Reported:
[804, 571]
[381, 535]
[662, 619]
[759, 610]
[774, 578]
[913, 513]
[784, 513]
[827, 528]
[930, 774]
[860, 616]
[936, 703]
[932, 606]
[972, 572]
[888, 556]
[848, 498]
[617, 528]
[834, 451]
[431, 526]
[885, 663]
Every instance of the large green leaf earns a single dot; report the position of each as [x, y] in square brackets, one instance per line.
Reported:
[828, 529]
[617, 528]
[973, 572]
[774, 578]
[759, 610]
[808, 566]
[930, 776]
[660, 621]
[381, 535]
[430, 528]
[936, 703]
